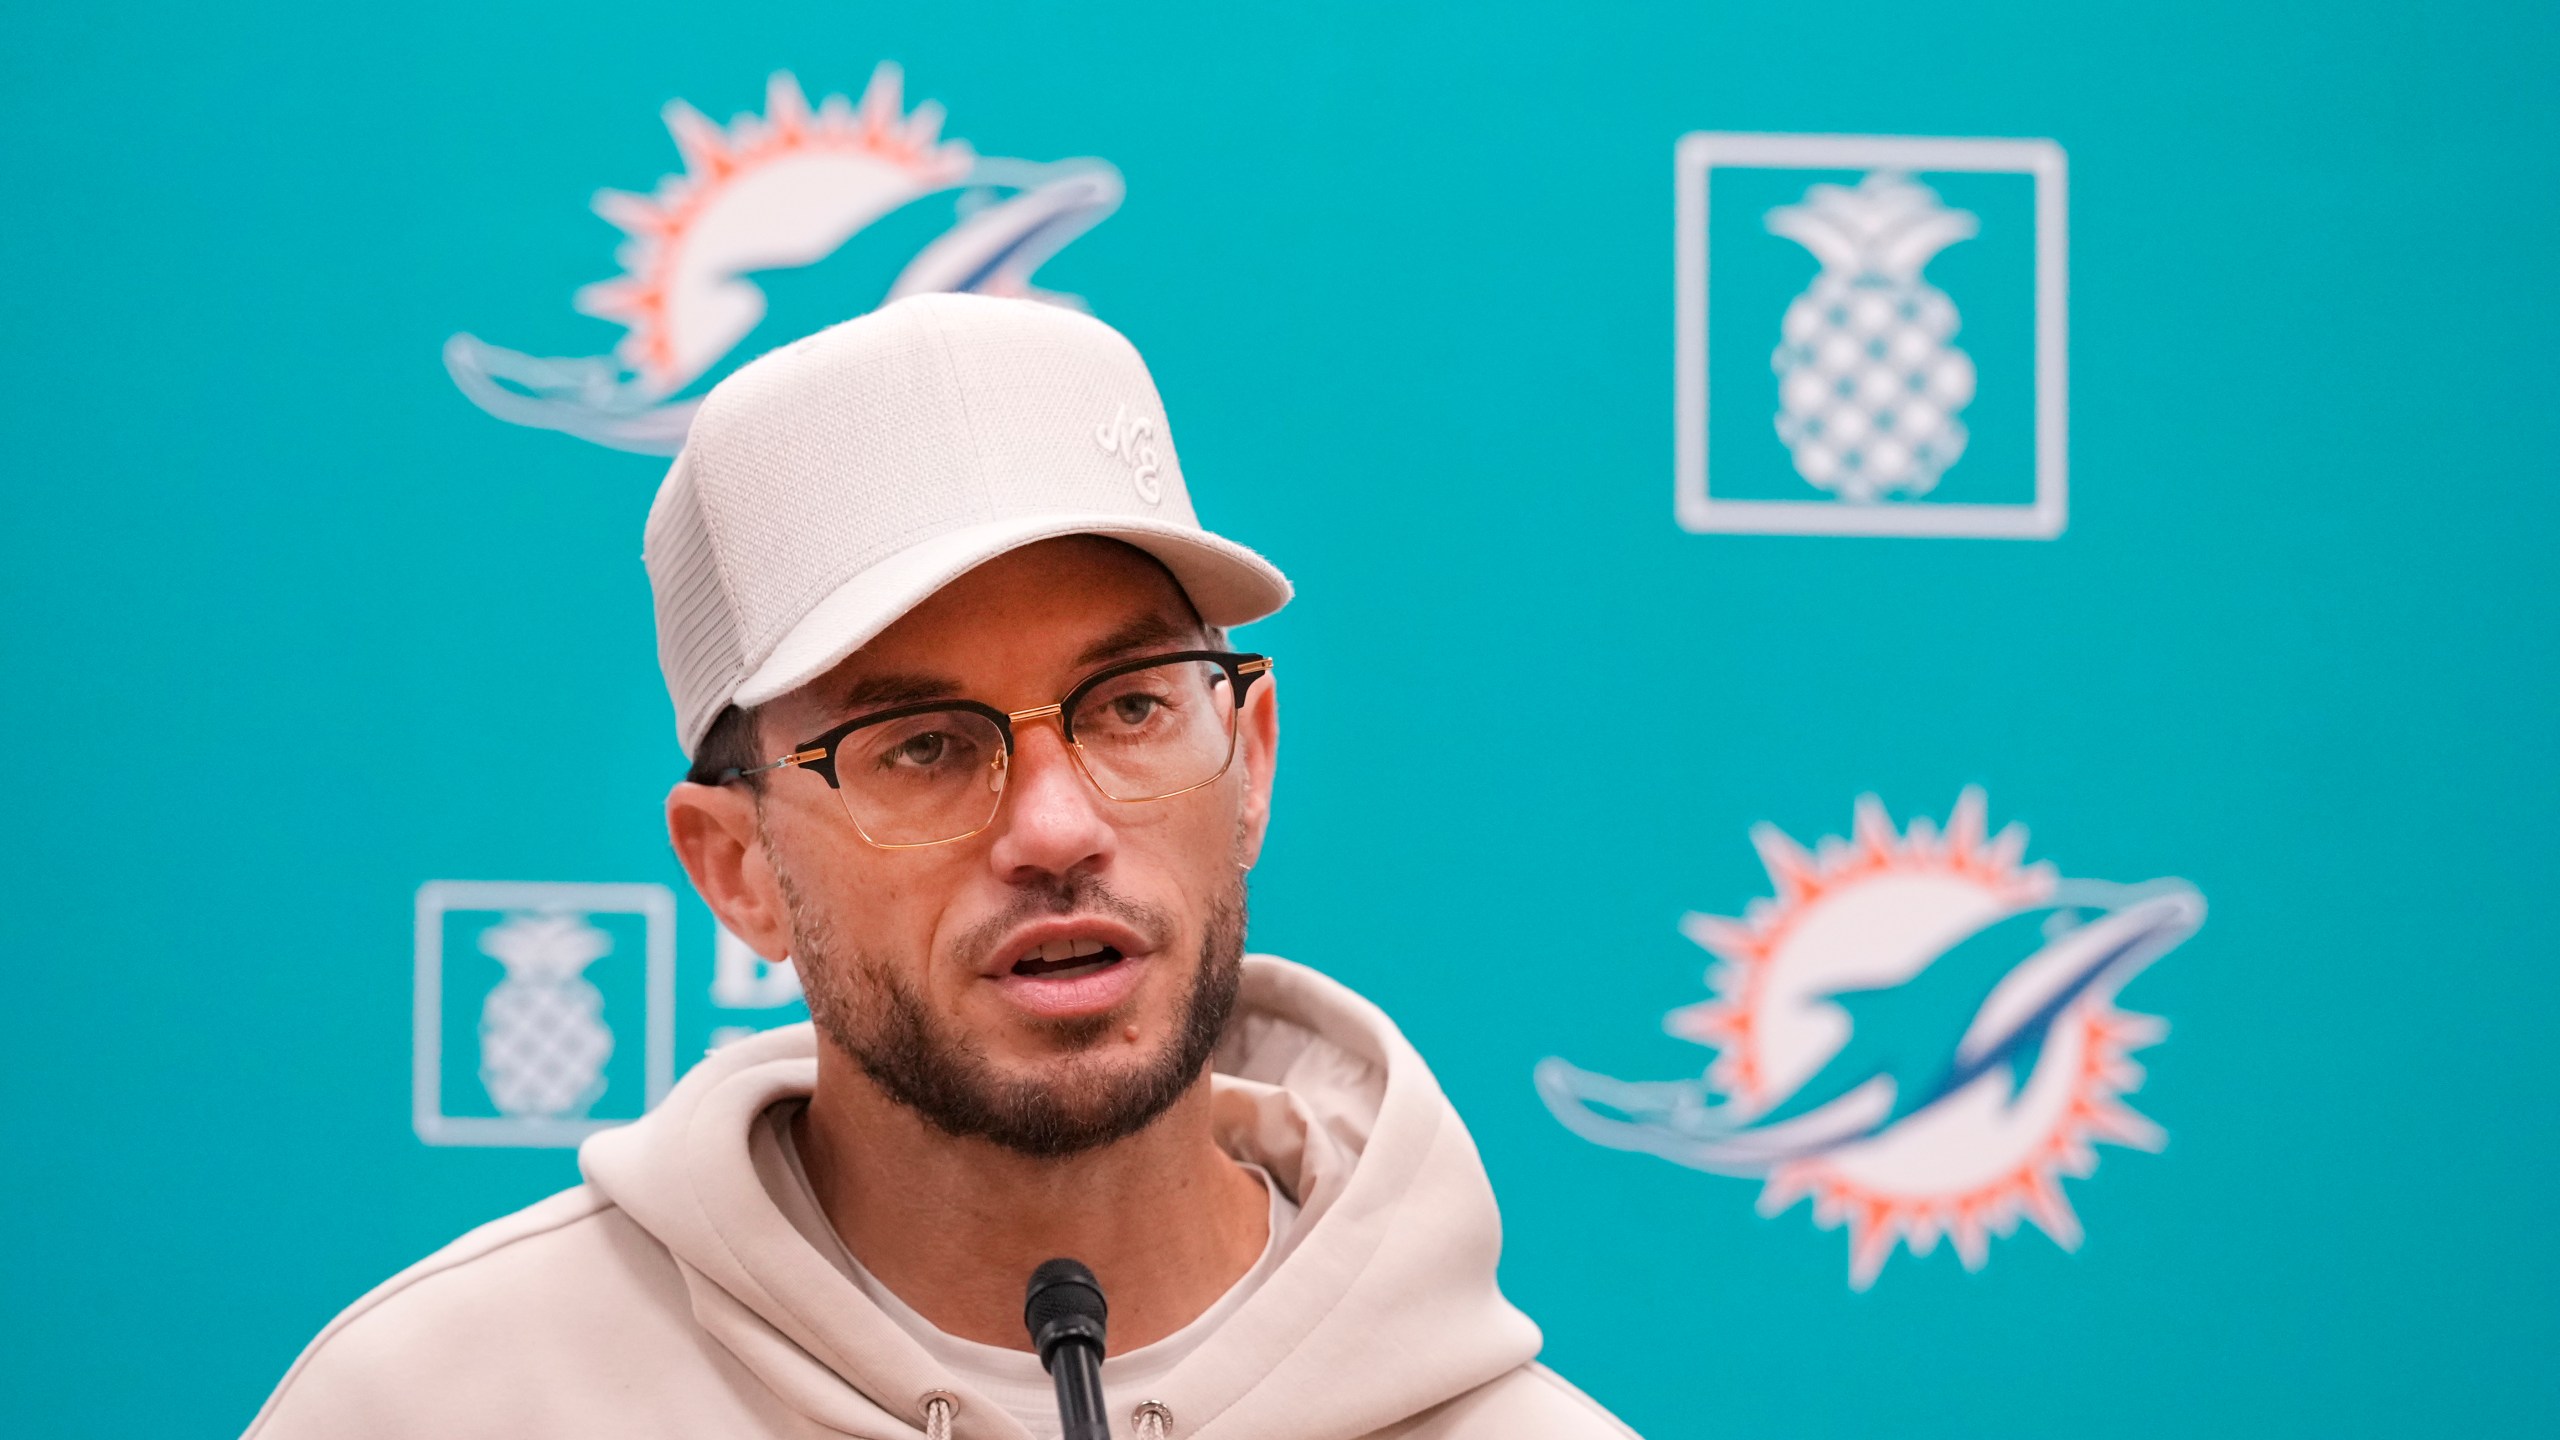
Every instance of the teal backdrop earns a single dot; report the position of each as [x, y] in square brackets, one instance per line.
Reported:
[292, 629]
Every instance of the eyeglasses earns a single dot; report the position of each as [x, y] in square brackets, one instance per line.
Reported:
[934, 772]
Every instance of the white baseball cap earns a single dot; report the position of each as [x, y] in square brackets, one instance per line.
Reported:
[827, 488]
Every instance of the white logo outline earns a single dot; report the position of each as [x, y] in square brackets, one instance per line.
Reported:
[1696, 510]
[654, 903]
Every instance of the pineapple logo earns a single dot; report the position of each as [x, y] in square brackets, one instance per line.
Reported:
[543, 1040]
[1917, 1031]
[1868, 385]
[544, 1053]
[1884, 426]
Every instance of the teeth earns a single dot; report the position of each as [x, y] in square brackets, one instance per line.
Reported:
[1057, 950]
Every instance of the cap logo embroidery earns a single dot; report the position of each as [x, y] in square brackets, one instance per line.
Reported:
[1132, 439]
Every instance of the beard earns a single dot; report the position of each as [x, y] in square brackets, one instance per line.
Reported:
[876, 1015]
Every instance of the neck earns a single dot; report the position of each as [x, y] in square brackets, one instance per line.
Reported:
[955, 1226]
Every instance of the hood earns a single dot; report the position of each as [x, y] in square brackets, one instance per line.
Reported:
[1393, 1254]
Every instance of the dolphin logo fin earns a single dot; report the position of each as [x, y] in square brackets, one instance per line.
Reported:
[1676, 1120]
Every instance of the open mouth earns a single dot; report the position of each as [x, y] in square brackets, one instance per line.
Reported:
[1067, 960]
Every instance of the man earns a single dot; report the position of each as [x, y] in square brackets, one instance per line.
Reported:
[970, 748]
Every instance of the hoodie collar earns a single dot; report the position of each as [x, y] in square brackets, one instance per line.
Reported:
[1394, 1250]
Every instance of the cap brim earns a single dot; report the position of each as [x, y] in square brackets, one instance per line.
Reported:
[1228, 584]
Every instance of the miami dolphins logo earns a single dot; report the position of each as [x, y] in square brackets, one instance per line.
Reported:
[768, 192]
[1917, 1031]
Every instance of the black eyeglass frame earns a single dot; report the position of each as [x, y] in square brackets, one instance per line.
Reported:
[818, 755]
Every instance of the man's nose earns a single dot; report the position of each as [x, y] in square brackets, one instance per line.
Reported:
[1052, 822]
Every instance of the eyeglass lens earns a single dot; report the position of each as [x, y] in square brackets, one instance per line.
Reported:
[1141, 735]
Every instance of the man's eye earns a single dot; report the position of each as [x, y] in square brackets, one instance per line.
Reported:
[921, 750]
[1134, 709]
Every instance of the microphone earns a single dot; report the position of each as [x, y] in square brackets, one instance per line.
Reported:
[1064, 1311]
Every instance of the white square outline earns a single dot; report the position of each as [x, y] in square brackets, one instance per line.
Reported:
[654, 903]
[1701, 151]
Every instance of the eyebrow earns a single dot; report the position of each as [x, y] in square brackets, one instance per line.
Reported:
[881, 692]
[1143, 633]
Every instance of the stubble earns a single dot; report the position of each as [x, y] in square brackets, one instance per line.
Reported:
[871, 1009]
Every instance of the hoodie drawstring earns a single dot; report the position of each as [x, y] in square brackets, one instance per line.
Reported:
[1154, 1421]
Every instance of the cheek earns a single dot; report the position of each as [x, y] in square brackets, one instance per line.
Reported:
[834, 872]
[1191, 846]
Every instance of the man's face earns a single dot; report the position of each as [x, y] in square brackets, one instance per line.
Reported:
[1056, 980]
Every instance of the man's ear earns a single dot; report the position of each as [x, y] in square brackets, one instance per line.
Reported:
[1259, 741]
[714, 831]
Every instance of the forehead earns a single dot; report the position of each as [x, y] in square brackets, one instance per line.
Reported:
[1026, 620]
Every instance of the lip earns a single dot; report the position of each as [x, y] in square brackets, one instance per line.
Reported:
[1055, 997]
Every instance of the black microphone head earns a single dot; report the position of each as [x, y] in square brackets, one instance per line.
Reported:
[1063, 1302]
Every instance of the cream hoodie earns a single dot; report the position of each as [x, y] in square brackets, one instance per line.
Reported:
[671, 1296]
